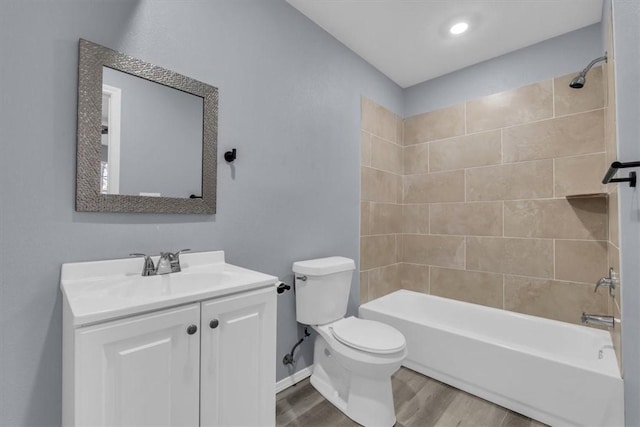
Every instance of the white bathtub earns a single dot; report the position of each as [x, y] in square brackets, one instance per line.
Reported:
[555, 372]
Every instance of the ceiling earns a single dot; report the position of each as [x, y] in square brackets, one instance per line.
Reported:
[409, 41]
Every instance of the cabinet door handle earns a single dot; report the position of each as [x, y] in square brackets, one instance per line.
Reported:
[214, 324]
[192, 329]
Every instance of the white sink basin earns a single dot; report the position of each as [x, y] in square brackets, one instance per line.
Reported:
[105, 290]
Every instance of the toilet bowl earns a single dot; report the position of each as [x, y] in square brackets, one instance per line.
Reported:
[357, 381]
[353, 358]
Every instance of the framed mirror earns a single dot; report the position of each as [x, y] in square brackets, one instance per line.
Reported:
[147, 137]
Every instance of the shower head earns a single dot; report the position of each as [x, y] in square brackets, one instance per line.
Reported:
[578, 81]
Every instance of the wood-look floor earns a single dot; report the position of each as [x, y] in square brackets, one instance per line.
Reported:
[420, 401]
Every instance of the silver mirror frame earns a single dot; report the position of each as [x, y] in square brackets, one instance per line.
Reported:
[92, 57]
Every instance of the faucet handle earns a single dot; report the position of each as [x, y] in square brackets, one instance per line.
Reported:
[148, 269]
[174, 259]
[609, 282]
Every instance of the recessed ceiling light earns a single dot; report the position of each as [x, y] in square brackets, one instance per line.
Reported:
[459, 28]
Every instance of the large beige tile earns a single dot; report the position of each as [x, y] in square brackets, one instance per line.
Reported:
[527, 180]
[569, 100]
[434, 187]
[380, 186]
[365, 221]
[557, 219]
[614, 218]
[386, 155]
[580, 260]
[364, 287]
[415, 219]
[365, 148]
[443, 251]
[469, 286]
[400, 130]
[564, 301]
[480, 149]
[565, 136]
[416, 158]
[579, 174]
[386, 218]
[378, 120]
[400, 247]
[383, 281]
[610, 135]
[476, 219]
[526, 257]
[522, 105]
[437, 124]
[414, 277]
[377, 251]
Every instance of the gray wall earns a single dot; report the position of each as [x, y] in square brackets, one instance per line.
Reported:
[160, 137]
[551, 58]
[626, 27]
[289, 101]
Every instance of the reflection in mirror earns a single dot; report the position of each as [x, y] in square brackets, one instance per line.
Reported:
[151, 138]
[110, 140]
[147, 136]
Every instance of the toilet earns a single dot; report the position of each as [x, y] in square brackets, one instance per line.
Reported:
[353, 358]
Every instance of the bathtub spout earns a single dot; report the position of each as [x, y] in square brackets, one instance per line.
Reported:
[597, 319]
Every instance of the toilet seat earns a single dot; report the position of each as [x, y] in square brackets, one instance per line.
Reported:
[368, 335]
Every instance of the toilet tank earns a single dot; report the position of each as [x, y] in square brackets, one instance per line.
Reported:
[322, 289]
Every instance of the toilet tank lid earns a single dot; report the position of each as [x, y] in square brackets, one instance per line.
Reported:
[322, 266]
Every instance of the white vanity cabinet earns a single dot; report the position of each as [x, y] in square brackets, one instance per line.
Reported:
[139, 371]
[208, 361]
[238, 366]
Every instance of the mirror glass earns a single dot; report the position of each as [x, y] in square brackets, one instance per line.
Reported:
[151, 138]
[147, 136]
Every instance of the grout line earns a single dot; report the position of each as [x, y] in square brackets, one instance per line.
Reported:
[385, 171]
[541, 199]
[496, 237]
[505, 127]
[503, 274]
[553, 118]
[508, 163]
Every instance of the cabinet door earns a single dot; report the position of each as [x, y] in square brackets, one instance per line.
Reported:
[238, 360]
[139, 371]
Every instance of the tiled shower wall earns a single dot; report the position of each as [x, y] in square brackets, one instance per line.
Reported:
[483, 216]
[381, 199]
[611, 147]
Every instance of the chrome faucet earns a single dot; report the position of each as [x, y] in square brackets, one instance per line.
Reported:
[608, 282]
[168, 263]
[148, 269]
[599, 320]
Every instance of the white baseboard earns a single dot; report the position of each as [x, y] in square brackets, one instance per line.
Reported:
[294, 379]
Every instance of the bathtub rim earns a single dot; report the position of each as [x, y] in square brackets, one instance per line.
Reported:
[613, 370]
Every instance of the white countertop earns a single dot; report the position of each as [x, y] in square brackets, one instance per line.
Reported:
[104, 290]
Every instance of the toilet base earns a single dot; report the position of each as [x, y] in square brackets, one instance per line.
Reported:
[368, 400]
